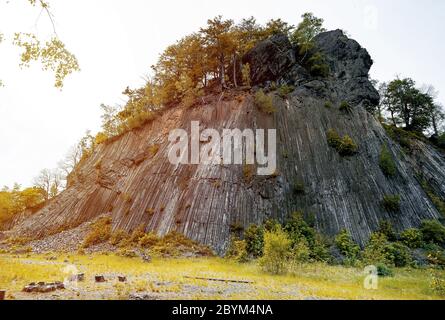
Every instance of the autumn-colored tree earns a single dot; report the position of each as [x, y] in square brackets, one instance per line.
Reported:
[51, 53]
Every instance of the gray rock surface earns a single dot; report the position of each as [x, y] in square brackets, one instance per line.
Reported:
[138, 187]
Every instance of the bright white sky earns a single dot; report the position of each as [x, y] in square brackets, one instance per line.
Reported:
[116, 42]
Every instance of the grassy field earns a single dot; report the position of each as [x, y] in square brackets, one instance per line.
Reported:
[169, 279]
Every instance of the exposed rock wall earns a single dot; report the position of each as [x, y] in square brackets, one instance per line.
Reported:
[132, 178]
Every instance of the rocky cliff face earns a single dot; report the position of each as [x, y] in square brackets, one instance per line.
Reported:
[132, 179]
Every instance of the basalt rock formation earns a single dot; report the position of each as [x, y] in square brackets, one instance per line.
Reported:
[131, 179]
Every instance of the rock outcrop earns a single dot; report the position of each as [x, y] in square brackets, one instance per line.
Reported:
[132, 179]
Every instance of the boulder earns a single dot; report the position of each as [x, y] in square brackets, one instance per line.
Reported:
[270, 59]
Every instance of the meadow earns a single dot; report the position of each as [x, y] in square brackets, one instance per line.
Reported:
[175, 279]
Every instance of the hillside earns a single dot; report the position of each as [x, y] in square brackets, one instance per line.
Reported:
[131, 179]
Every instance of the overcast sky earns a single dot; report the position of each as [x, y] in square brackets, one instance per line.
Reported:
[116, 42]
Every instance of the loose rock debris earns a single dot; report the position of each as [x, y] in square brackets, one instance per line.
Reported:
[43, 287]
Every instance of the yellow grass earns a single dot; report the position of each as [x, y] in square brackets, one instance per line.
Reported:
[166, 279]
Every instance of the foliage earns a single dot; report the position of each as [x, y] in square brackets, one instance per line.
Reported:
[384, 271]
[438, 202]
[399, 254]
[264, 102]
[334, 139]
[375, 251]
[413, 238]
[245, 74]
[15, 201]
[285, 90]
[53, 55]
[438, 284]
[303, 37]
[276, 251]
[301, 252]
[433, 231]
[345, 107]
[391, 203]
[328, 105]
[254, 238]
[100, 232]
[387, 163]
[386, 228]
[299, 188]
[347, 246]
[347, 147]
[237, 250]
[148, 240]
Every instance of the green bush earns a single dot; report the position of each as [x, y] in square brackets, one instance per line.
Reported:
[398, 254]
[284, 90]
[328, 105]
[387, 163]
[384, 271]
[391, 203]
[271, 225]
[438, 284]
[412, 238]
[345, 106]
[237, 250]
[317, 65]
[375, 251]
[334, 139]
[299, 188]
[301, 252]
[276, 252]
[386, 228]
[347, 246]
[264, 102]
[433, 231]
[347, 147]
[298, 229]
[254, 237]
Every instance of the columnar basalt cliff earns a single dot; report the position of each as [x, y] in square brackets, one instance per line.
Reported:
[131, 179]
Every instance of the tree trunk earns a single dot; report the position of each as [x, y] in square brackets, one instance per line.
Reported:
[234, 71]
[222, 71]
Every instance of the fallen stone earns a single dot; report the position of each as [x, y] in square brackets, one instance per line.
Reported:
[122, 278]
[2, 294]
[99, 278]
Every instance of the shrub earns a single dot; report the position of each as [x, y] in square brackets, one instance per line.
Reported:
[317, 65]
[301, 252]
[391, 203]
[384, 271]
[334, 139]
[245, 73]
[399, 254]
[148, 240]
[386, 228]
[345, 106]
[438, 285]
[347, 246]
[237, 250]
[100, 232]
[433, 231]
[264, 102]
[375, 250]
[347, 147]
[328, 105]
[298, 229]
[387, 163]
[299, 188]
[271, 225]
[284, 90]
[412, 238]
[118, 237]
[276, 251]
[254, 237]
